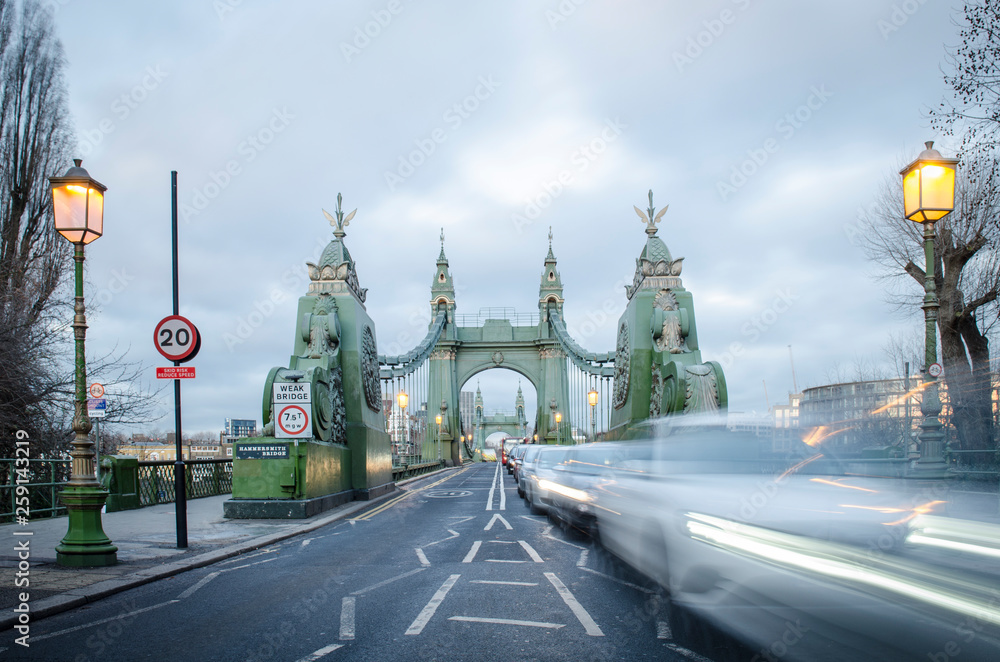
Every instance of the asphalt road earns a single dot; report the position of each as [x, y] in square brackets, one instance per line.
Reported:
[454, 568]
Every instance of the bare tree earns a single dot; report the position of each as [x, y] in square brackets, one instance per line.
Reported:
[973, 74]
[35, 143]
[967, 278]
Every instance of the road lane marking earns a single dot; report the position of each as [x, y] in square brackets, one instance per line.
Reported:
[663, 630]
[506, 621]
[306, 541]
[454, 534]
[581, 614]
[387, 581]
[347, 618]
[503, 561]
[322, 652]
[102, 621]
[503, 493]
[247, 565]
[531, 552]
[493, 486]
[427, 612]
[565, 542]
[472, 552]
[583, 558]
[493, 521]
[497, 581]
[422, 556]
[688, 653]
[392, 502]
[620, 581]
[461, 519]
[502, 542]
[247, 557]
[538, 519]
[204, 580]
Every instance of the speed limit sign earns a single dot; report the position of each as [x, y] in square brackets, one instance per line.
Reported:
[177, 339]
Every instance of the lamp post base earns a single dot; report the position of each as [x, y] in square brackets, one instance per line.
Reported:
[85, 543]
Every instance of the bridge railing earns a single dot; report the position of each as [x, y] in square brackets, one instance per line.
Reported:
[202, 478]
[45, 479]
[511, 315]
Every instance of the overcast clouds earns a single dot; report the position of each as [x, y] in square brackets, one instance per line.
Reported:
[269, 109]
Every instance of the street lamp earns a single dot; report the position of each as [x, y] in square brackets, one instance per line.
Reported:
[438, 419]
[929, 196]
[592, 399]
[78, 208]
[558, 421]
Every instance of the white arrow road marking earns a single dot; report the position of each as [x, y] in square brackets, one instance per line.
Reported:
[428, 611]
[472, 552]
[581, 614]
[322, 652]
[493, 521]
[347, 618]
[531, 552]
[506, 621]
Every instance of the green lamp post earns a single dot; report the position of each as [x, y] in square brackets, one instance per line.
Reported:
[929, 196]
[78, 207]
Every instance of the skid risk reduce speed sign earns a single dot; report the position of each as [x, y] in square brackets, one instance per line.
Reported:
[177, 339]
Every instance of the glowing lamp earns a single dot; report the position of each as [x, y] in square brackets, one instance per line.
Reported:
[592, 397]
[929, 186]
[78, 205]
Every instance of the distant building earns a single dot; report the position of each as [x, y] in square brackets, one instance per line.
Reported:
[240, 427]
[787, 434]
[759, 425]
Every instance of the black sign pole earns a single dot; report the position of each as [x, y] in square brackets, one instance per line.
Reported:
[180, 484]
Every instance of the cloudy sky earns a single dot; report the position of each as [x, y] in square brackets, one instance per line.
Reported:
[464, 116]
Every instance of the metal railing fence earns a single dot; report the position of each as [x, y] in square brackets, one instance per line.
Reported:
[202, 477]
[45, 481]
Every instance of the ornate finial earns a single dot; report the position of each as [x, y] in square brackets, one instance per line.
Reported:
[550, 237]
[442, 238]
[649, 219]
[340, 222]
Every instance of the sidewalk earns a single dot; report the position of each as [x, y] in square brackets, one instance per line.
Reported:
[147, 550]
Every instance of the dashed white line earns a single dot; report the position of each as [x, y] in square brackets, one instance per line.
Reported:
[347, 619]
[531, 552]
[583, 558]
[688, 653]
[103, 621]
[581, 614]
[663, 630]
[306, 541]
[454, 534]
[472, 552]
[620, 581]
[427, 612]
[322, 652]
[204, 580]
[422, 556]
[506, 621]
[387, 581]
[497, 581]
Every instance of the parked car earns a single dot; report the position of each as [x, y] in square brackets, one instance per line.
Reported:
[539, 476]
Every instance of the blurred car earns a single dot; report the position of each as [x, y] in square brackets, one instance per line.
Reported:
[516, 459]
[754, 544]
[523, 464]
[539, 477]
[575, 481]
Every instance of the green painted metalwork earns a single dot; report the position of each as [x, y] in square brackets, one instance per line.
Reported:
[45, 478]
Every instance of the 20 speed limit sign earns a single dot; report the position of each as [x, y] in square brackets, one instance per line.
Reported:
[292, 421]
[176, 338]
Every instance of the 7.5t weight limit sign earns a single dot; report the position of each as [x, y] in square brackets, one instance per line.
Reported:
[292, 404]
[177, 339]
